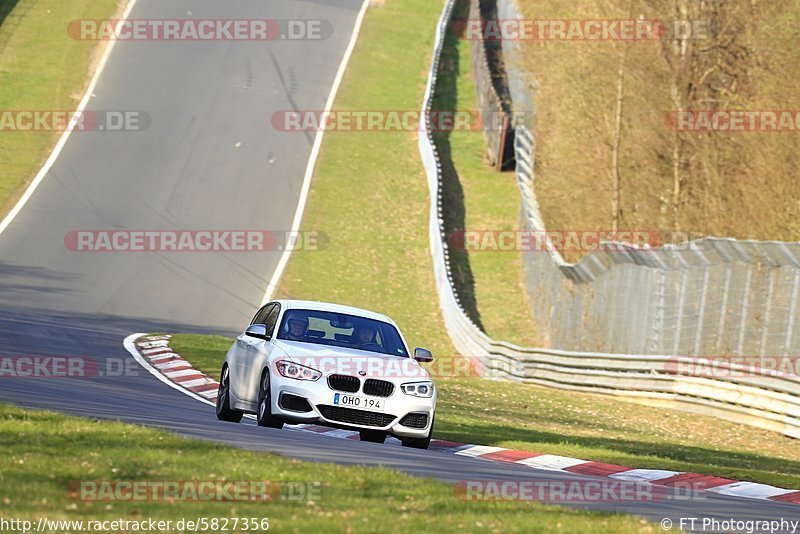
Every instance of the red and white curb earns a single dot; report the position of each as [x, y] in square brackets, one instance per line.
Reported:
[155, 350]
[154, 353]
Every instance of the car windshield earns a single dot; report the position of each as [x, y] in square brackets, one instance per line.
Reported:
[341, 330]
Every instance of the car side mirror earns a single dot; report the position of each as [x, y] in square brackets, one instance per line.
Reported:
[423, 355]
[258, 331]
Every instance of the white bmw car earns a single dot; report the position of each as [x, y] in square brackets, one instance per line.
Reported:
[313, 362]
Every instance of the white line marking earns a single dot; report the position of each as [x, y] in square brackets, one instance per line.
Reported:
[645, 475]
[193, 383]
[154, 350]
[551, 462]
[185, 372]
[64, 136]
[128, 343]
[153, 344]
[169, 365]
[751, 490]
[163, 357]
[312, 159]
[478, 450]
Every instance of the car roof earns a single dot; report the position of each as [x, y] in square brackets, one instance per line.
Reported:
[331, 307]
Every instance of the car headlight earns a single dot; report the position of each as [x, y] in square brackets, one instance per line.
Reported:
[418, 389]
[297, 371]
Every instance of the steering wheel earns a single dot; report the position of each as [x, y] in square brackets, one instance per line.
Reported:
[371, 346]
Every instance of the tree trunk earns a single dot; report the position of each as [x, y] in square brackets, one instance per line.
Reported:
[616, 194]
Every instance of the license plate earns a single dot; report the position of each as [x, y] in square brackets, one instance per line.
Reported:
[358, 402]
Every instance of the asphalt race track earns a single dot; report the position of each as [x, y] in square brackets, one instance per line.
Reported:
[185, 171]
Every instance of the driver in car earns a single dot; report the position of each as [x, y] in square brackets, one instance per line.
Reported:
[298, 326]
[366, 336]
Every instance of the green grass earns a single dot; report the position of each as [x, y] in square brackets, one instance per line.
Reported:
[479, 199]
[43, 453]
[592, 427]
[41, 68]
[206, 352]
[369, 194]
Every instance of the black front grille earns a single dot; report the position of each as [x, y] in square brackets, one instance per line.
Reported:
[355, 417]
[415, 420]
[294, 403]
[344, 383]
[379, 388]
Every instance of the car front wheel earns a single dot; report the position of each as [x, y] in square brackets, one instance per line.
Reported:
[419, 443]
[224, 411]
[264, 416]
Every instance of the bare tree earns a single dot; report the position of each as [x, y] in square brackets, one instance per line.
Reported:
[616, 192]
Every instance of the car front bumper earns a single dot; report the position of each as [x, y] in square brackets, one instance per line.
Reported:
[322, 410]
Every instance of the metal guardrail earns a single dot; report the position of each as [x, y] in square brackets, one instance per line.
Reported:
[496, 119]
[711, 296]
[756, 397]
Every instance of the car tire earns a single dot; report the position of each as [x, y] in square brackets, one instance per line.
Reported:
[419, 443]
[264, 415]
[224, 411]
[373, 436]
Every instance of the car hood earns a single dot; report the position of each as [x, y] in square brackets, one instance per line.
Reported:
[341, 360]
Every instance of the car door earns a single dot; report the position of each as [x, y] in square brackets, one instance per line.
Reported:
[240, 358]
[258, 351]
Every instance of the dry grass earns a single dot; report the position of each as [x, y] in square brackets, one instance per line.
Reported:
[743, 185]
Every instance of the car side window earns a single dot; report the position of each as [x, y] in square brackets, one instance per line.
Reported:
[261, 316]
[272, 319]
